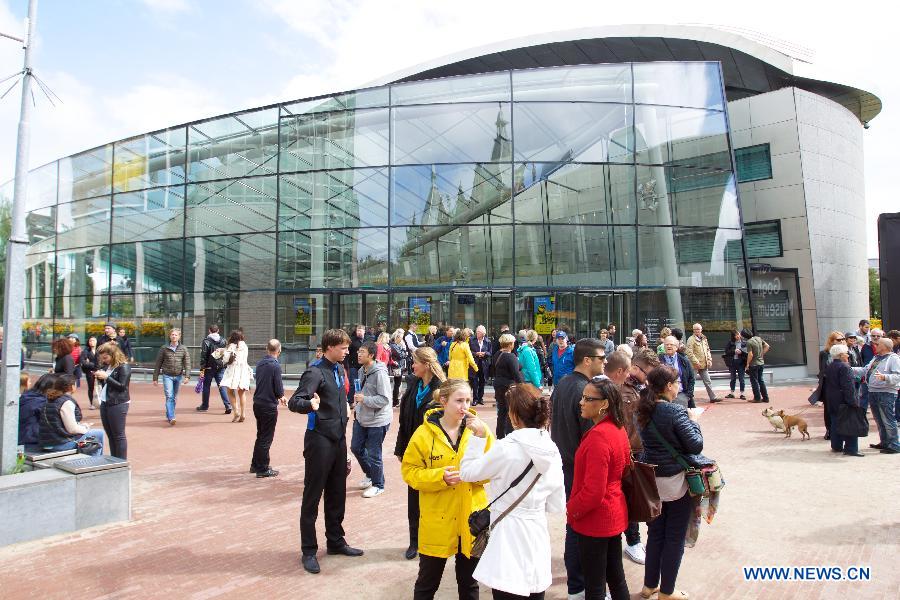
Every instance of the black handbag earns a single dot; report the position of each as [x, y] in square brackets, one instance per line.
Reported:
[851, 421]
[480, 520]
[89, 445]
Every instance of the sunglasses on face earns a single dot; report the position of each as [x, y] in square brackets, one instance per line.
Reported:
[600, 356]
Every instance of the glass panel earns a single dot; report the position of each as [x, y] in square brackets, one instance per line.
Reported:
[593, 83]
[85, 175]
[451, 255]
[763, 239]
[679, 84]
[230, 262]
[370, 310]
[776, 311]
[567, 132]
[452, 133]
[148, 215]
[148, 266]
[40, 226]
[39, 274]
[720, 311]
[82, 272]
[254, 312]
[683, 136]
[229, 207]
[477, 88]
[82, 315]
[39, 308]
[442, 194]
[691, 257]
[687, 196]
[37, 335]
[421, 309]
[333, 258]
[334, 199]
[234, 146]
[575, 194]
[83, 223]
[337, 140]
[301, 319]
[147, 319]
[753, 163]
[150, 160]
[470, 310]
[370, 98]
[42, 184]
[564, 255]
[658, 309]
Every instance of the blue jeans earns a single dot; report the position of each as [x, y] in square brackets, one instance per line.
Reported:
[884, 410]
[849, 445]
[208, 376]
[366, 447]
[97, 433]
[737, 374]
[170, 387]
[757, 384]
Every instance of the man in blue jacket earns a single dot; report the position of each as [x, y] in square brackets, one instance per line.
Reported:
[562, 357]
[268, 394]
[442, 347]
[678, 361]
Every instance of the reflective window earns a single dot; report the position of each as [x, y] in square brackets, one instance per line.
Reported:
[753, 163]
[234, 146]
[42, 183]
[776, 312]
[229, 207]
[683, 136]
[147, 266]
[39, 274]
[301, 320]
[83, 223]
[37, 308]
[490, 87]
[371, 98]
[687, 196]
[565, 255]
[433, 255]
[338, 140]
[575, 193]
[81, 315]
[148, 215]
[591, 83]
[82, 272]
[150, 160]
[40, 227]
[230, 262]
[690, 257]
[254, 312]
[147, 319]
[451, 133]
[567, 132]
[333, 258]
[460, 194]
[86, 174]
[679, 84]
[334, 199]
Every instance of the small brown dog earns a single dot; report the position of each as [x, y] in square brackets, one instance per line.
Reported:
[792, 420]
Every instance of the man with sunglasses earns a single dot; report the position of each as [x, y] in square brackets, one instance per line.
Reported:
[566, 430]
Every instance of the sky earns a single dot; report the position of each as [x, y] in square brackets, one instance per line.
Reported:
[125, 67]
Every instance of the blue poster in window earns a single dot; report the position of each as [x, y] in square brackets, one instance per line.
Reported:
[544, 314]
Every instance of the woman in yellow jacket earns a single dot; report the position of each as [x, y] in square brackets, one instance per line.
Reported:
[461, 357]
[431, 466]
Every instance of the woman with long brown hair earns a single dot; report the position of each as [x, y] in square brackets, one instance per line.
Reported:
[237, 375]
[64, 362]
[114, 376]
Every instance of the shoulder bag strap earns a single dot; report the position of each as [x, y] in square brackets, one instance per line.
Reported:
[516, 503]
[515, 482]
[675, 454]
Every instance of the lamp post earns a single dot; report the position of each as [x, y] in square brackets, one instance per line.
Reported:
[15, 267]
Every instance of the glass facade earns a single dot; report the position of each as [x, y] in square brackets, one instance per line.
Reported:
[572, 195]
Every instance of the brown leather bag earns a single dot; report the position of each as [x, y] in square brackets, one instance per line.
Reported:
[641, 494]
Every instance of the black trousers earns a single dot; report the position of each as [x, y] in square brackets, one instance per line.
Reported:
[113, 419]
[601, 563]
[412, 513]
[498, 595]
[504, 425]
[266, 418]
[633, 534]
[325, 471]
[398, 379]
[476, 380]
[431, 570]
[89, 379]
[665, 544]
[571, 555]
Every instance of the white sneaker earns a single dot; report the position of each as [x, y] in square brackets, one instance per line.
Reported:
[372, 492]
[365, 484]
[608, 597]
[636, 553]
[578, 596]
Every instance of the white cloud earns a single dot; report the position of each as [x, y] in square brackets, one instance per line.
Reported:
[168, 6]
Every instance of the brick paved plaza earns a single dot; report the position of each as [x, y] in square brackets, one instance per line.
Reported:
[204, 528]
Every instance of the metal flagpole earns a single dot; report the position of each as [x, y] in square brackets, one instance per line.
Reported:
[15, 269]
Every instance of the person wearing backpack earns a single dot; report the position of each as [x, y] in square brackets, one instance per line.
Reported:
[399, 362]
[212, 368]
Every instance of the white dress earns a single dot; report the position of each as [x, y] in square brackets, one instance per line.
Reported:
[237, 374]
[523, 533]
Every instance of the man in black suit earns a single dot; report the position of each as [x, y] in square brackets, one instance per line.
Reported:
[481, 350]
[322, 394]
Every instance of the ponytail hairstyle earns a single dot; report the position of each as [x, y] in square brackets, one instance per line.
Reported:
[657, 380]
[612, 396]
[448, 388]
[529, 405]
[428, 357]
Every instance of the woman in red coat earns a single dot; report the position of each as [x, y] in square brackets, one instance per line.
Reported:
[596, 510]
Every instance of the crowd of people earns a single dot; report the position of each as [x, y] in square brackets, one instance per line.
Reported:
[565, 452]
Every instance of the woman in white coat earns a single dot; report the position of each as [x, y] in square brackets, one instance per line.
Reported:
[516, 562]
[237, 375]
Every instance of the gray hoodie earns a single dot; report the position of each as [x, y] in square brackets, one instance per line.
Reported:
[375, 410]
[889, 366]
